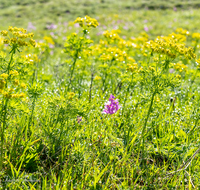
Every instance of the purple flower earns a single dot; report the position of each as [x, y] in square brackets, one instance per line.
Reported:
[51, 46]
[51, 26]
[125, 27]
[146, 28]
[111, 106]
[76, 25]
[79, 119]
[31, 26]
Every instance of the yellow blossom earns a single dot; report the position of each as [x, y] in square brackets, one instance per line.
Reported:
[4, 75]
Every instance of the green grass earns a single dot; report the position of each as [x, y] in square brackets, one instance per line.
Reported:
[151, 142]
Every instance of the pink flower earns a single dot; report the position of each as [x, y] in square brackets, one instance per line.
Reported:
[112, 106]
[31, 26]
[146, 28]
[79, 119]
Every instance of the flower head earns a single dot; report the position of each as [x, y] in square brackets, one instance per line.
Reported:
[111, 106]
[79, 119]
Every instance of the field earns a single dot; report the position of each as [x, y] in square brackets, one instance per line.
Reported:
[99, 94]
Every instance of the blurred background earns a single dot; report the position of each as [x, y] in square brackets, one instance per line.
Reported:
[155, 17]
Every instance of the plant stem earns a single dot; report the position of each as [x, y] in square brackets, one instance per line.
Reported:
[145, 123]
[90, 93]
[4, 111]
[30, 119]
[192, 83]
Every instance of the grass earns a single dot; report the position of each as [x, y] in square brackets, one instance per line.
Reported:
[55, 134]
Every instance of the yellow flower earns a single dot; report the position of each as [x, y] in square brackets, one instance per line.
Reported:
[31, 35]
[10, 90]
[4, 75]
[14, 73]
[74, 34]
[22, 95]
[49, 40]
[71, 95]
[6, 41]
[132, 67]
[16, 82]
[96, 78]
[178, 76]
[32, 42]
[4, 32]
[7, 95]
[23, 85]
[10, 28]
[90, 22]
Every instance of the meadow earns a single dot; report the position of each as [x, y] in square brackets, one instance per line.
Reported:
[99, 94]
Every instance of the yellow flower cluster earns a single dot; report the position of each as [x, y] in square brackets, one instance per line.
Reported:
[19, 36]
[140, 40]
[71, 95]
[196, 36]
[14, 73]
[198, 63]
[96, 78]
[30, 59]
[178, 76]
[4, 76]
[11, 74]
[87, 21]
[113, 53]
[180, 67]
[126, 44]
[7, 94]
[171, 46]
[4, 32]
[132, 67]
[182, 31]
[113, 34]
[49, 40]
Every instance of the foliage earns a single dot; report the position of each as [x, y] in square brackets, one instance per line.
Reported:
[56, 131]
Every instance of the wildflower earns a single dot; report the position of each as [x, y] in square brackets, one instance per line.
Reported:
[4, 76]
[4, 32]
[21, 95]
[6, 41]
[97, 78]
[112, 106]
[71, 95]
[89, 22]
[23, 85]
[51, 26]
[31, 26]
[79, 119]
[16, 82]
[146, 28]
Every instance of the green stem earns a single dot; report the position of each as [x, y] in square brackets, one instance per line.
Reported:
[72, 71]
[192, 82]
[4, 110]
[145, 123]
[90, 93]
[28, 129]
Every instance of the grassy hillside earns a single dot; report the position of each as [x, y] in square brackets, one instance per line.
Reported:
[108, 102]
[23, 11]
